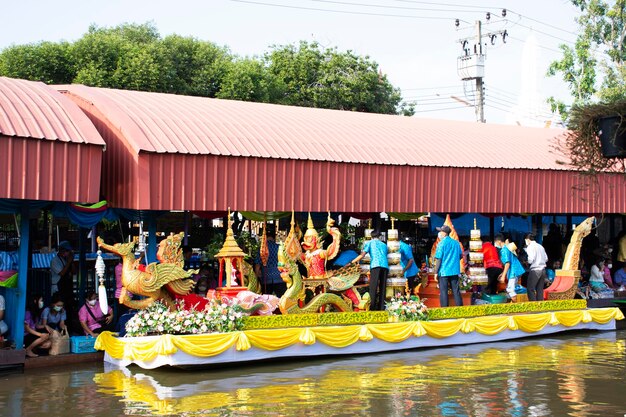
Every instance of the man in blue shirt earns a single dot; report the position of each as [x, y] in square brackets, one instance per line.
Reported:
[513, 269]
[448, 266]
[269, 275]
[379, 268]
[408, 264]
[620, 277]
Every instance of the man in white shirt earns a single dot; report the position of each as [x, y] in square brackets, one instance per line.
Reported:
[61, 267]
[537, 259]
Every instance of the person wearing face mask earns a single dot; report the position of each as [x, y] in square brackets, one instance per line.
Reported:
[202, 286]
[35, 334]
[537, 259]
[448, 266]
[91, 317]
[54, 317]
[3, 326]
[607, 274]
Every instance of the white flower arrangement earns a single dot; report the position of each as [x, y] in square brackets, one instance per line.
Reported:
[465, 282]
[218, 316]
[407, 308]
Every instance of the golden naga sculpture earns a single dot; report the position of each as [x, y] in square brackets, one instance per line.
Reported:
[572, 255]
[290, 301]
[157, 280]
[340, 281]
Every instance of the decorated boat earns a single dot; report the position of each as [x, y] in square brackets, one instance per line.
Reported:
[321, 314]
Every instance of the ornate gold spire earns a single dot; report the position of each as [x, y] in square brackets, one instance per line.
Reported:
[292, 245]
[230, 249]
[309, 224]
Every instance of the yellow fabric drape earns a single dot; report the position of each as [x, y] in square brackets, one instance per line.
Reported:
[206, 345]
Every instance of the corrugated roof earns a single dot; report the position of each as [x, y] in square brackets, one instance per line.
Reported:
[30, 109]
[167, 123]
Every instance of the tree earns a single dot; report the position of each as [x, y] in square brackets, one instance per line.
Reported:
[135, 57]
[594, 66]
[314, 77]
[47, 61]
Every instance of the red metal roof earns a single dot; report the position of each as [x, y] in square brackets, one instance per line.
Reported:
[34, 110]
[167, 123]
[49, 150]
[167, 152]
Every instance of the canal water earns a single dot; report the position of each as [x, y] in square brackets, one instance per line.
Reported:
[581, 374]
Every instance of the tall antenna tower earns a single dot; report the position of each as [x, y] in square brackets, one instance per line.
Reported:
[471, 64]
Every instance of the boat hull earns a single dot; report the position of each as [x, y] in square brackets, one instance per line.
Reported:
[257, 345]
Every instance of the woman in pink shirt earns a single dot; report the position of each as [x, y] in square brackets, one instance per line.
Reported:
[92, 320]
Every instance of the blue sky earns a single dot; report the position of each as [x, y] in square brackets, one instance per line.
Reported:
[417, 47]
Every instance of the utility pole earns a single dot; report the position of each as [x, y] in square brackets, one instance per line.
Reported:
[471, 65]
[480, 100]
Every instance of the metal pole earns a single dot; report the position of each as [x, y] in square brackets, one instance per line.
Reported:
[19, 296]
[480, 110]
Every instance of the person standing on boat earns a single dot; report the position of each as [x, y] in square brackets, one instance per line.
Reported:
[513, 268]
[448, 266]
[537, 259]
[409, 269]
[379, 269]
[493, 266]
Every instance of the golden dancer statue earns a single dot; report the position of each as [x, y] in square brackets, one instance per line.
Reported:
[158, 280]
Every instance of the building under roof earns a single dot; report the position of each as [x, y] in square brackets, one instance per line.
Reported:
[49, 150]
[172, 152]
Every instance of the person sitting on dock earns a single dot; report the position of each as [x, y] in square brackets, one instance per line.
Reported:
[620, 277]
[35, 334]
[54, 317]
[91, 317]
[3, 326]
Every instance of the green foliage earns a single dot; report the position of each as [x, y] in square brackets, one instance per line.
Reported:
[248, 244]
[308, 320]
[365, 317]
[136, 57]
[495, 309]
[594, 67]
[582, 141]
[308, 75]
[214, 246]
[46, 61]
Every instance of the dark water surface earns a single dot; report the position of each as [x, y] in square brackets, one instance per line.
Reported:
[581, 374]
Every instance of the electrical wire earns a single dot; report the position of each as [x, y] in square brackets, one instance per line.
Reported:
[543, 33]
[430, 88]
[539, 46]
[443, 109]
[346, 3]
[260, 3]
[542, 23]
[444, 4]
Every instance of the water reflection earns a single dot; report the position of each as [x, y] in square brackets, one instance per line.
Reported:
[580, 375]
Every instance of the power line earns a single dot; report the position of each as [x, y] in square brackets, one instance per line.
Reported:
[542, 32]
[445, 4]
[539, 46]
[346, 3]
[443, 109]
[542, 23]
[430, 88]
[259, 3]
